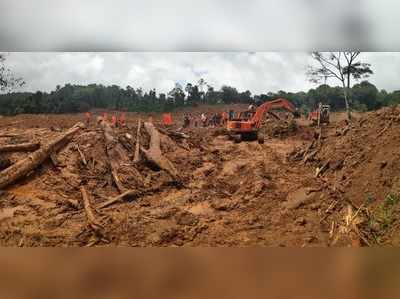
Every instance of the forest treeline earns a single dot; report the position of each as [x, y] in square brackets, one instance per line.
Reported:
[79, 98]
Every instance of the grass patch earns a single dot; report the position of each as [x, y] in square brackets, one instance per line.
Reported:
[384, 214]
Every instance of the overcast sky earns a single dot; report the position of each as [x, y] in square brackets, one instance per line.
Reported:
[256, 71]
[206, 25]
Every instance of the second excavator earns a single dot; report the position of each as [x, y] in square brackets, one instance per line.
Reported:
[247, 125]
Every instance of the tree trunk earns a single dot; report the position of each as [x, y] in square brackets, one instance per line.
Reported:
[115, 154]
[154, 155]
[346, 97]
[22, 147]
[346, 101]
[23, 167]
[91, 218]
[137, 145]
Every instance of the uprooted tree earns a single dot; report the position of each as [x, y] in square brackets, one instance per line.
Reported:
[342, 66]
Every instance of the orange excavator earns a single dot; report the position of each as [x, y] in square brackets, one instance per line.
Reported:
[247, 125]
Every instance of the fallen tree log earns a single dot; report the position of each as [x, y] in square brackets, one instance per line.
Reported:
[8, 135]
[137, 148]
[22, 147]
[23, 167]
[93, 223]
[173, 133]
[114, 153]
[117, 157]
[154, 155]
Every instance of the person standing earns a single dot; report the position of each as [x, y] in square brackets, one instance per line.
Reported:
[88, 117]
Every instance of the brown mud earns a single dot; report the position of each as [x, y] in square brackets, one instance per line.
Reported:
[245, 194]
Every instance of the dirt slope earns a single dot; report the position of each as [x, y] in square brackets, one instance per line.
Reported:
[232, 194]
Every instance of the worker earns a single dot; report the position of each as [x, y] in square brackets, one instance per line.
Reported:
[121, 120]
[218, 118]
[167, 119]
[105, 116]
[88, 116]
[231, 114]
[224, 117]
[114, 120]
[214, 120]
[186, 121]
[203, 118]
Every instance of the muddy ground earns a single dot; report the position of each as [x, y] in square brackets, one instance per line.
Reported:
[245, 194]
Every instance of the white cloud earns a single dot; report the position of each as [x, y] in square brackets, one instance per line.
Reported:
[257, 72]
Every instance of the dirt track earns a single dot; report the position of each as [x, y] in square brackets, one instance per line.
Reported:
[232, 195]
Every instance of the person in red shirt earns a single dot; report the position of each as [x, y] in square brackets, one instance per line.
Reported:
[113, 120]
[121, 121]
[105, 116]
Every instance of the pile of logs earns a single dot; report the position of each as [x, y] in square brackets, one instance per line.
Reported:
[116, 156]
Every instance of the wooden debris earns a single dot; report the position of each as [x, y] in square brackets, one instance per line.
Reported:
[384, 129]
[4, 163]
[154, 155]
[22, 147]
[114, 153]
[310, 156]
[173, 133]
[54, 159]
[81, 154]
[130, 194]
[137, 148]
[321, 170]
[24, 166]
[8, 135]
[93, 223]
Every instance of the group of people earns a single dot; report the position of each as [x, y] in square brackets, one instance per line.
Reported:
[116, 120]
[205, 119]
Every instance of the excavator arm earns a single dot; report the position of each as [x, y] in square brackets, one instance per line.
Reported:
[267, 106]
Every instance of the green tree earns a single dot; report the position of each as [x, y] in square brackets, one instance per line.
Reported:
[342, 66]
[8, 81]
[366, 94]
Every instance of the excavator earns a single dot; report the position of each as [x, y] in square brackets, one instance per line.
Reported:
[320, 116]
[246, 126]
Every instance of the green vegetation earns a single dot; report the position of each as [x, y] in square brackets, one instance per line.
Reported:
[78, 98]
[383, 215]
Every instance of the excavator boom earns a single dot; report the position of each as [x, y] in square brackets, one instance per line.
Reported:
[275, 104]
[251, 125]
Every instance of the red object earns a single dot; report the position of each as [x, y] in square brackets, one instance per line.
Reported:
[224, 115]
[105, 116]
[167, 119]
[313, 115]
[122, 119]
[243, 125]
[113, 120]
